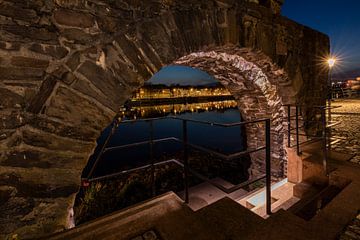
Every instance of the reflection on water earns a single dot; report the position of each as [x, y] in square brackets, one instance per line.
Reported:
[226, 140]
[180, 108]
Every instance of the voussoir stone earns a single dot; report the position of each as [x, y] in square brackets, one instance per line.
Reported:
[73, 19]
[10, 99]
[29, 62]
[14, 73]
[53, 51]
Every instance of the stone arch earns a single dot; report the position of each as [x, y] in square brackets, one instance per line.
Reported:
[253, 80]
[66, 66]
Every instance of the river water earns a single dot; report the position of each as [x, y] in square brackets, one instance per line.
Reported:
[225, 140]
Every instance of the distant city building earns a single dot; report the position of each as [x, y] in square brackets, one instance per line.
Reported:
[354, 84]
[162, 91]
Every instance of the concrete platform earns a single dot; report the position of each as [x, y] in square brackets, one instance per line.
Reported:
[205, 194]
[281, 194]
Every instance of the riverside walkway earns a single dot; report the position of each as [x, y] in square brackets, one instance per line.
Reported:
[349, 129]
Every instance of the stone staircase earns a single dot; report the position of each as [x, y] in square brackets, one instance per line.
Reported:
[168, 217]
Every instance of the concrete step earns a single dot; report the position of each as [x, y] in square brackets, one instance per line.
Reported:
[281, 192]
[230, 219]
[304, 189]
[205, 194]
[162, 215]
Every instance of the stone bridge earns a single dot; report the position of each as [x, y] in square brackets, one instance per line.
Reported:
[66, 66]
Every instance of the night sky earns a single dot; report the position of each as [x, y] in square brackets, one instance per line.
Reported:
[340, 19]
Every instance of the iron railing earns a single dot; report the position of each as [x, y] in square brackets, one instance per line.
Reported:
[326, 125]
[185, 149]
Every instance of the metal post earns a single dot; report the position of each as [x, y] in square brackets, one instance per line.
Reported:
[116, 123]
[329, 108]
[289, 125]
[186, 161]
[152, 159]
[323, 118]
[297, 131]
[268, 167]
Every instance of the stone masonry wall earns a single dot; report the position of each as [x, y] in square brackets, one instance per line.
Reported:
[67, 65]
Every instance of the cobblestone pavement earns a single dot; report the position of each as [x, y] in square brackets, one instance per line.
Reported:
[149, 235]
[349, 128]
[352, 232]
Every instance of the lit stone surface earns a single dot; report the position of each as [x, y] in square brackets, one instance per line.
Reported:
[348, 129]
[63, 80]
[255, 89]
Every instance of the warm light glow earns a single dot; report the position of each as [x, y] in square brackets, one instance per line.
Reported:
[331, 62]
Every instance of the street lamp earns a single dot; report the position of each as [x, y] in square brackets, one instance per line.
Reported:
[331, 63]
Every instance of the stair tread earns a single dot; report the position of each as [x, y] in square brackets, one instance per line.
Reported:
[230, 218]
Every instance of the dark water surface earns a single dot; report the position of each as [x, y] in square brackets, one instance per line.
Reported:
[225, 140]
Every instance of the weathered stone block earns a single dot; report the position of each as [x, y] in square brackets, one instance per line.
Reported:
[73, 19]
[34, 33]
[12, 73]
[11, 120]
[104, 81]
[18, 13]
[77, 36]
[77, 110]
[29, 158]
[73, 61]
[86, 88]
[37, 102]
[52, 142]
[54, 51]
[83, 133]
[29, 62]
[10, 99]
[13, 46]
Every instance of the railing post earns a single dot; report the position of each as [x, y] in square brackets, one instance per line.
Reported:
[297, 131]
[152, 159]
[289, 125]
[268, 167]
[323, 118]
[116, 123]
[186, 161]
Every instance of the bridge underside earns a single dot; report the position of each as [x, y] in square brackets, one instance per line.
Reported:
[67, 66]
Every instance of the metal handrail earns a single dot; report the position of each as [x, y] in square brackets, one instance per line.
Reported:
[185, 163]
[195, 121]
[326, 129]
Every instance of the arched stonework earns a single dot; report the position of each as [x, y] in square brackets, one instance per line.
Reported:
[253, 80]
[67, 65]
